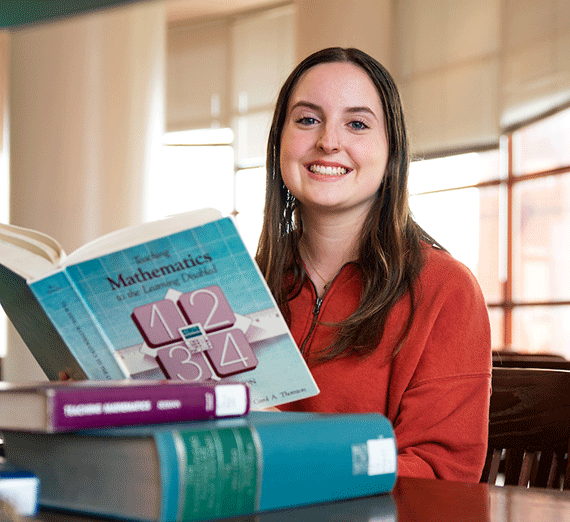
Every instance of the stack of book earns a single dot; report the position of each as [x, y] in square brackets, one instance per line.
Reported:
[173, 341]
[177, 451]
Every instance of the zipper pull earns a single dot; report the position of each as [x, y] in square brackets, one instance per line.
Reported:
[316, 310]
[317, 307]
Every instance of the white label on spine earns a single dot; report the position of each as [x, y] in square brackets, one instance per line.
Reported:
[22, 494]
[381, 456]
[230, 400]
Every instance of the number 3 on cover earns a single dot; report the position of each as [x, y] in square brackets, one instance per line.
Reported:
[177, 363]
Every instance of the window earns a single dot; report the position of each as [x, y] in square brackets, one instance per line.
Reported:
[250, 200]
[242, 61]
[539, 178]
[518, 211]
[198, 170]
[456, 200]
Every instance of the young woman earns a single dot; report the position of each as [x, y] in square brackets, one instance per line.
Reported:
[387, 320]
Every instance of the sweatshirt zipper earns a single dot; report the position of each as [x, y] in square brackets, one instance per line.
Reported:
[316, 310]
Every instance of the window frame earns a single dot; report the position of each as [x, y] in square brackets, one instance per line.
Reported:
[507, 180]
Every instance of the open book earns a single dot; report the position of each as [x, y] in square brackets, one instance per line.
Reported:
[178, 298]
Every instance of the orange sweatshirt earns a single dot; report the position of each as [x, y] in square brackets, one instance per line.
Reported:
[435, 391]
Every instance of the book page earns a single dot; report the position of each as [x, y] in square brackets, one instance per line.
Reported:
[33, 241]
[28, 253]
[48, 255]
[21, 262]
[142, 233]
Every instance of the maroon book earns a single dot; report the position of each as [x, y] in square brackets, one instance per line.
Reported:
[67, 406]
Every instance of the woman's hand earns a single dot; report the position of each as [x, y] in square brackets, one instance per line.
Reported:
[63, 376]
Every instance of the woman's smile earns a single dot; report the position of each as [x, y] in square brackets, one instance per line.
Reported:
[327, 170]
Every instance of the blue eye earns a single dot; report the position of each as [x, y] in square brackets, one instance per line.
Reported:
[358, 125]
[307, 120]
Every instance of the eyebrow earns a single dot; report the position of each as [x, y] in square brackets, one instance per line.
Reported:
[318, 108]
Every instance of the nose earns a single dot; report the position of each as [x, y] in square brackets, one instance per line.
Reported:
[328, 140]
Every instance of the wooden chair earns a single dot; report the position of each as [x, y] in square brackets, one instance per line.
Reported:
[529, 360]
[537, 355]
[529, 428]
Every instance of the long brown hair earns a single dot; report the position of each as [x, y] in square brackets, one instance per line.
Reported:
[390, 255]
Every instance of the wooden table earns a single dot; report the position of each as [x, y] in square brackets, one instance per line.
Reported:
[419, 500]
[422, 500]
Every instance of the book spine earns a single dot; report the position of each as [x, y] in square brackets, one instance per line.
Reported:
[72, 409]
[242, 470]
[35, 327]
[77, 327]
[218, 473]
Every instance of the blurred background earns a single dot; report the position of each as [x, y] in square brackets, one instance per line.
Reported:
[115, 115]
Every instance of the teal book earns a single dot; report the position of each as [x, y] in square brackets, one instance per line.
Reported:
[212, 469]
[179, 298]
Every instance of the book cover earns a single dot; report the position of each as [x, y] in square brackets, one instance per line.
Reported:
[212, 469]
[188, 304]
[19, 489]
[73, 405]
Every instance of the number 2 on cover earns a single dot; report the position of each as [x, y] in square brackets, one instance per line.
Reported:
[209, 307]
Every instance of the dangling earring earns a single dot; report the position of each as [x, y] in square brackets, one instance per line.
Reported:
[290, 203]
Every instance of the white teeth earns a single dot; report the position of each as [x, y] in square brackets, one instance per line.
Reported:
[327, 171]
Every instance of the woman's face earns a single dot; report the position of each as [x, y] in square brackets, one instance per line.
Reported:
[333, 146]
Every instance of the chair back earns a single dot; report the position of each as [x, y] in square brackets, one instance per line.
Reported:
[529, 428]
[530, 360]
